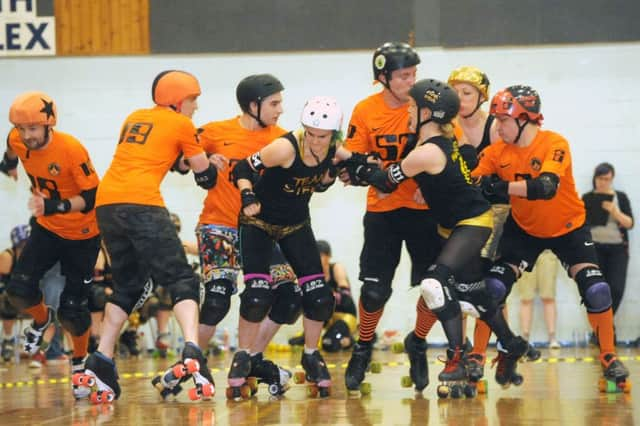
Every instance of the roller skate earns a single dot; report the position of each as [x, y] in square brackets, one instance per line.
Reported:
[317, 374]
[33, 334]
[77, 366]
[475, 370]
[169, 382]
[616, 375]
[267, 372]
[454, 376]
[129, 342]
[532, 354]
[204, 384]
[162, 345]
[101, 377]
[357, 367]
[416, 350]
[239, 388]
[8, 349]
[507, 361]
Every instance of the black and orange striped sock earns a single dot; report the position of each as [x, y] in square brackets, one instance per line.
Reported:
[424, 320]
[39, 312]
[481, 336]
[368, 323]
[602, 325]
[80, 344]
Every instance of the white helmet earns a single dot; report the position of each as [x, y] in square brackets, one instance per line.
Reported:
[322, 112]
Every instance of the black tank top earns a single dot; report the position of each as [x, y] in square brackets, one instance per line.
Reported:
[485, 142]
[285, 193]
[451, 194]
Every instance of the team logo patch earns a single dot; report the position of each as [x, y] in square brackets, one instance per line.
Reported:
[431, 96]
[558, 155]
[536, 164]
[380, 62]
[54, 169]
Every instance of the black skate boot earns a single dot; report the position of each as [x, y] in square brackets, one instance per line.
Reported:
[129, 340]
[615, 375]
[101, 376]
[533, 354]
[416, 350]
[8, 349]
[317, 374]
[475, 370]
[507, 361]
[237, 378]
[358, 365]
[77, 366]
[453, 377]
[267, 372]
[33, 333]
[204, 384]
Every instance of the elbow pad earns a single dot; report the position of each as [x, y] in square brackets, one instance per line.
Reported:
[544, 187]
[469, 155]
[8, 164]
[89, 197]
[207, 178]
[176, 166]
[242, 170]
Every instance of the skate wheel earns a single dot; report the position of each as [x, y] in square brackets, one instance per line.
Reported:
[312, 391]
[482, 386]
[299, 377]
[178, 371]
[626, 386]
[470, 391]
[517, 379]
[456, 392]
[81, 379]
[208, 390]
[406, 382]
[192, 365]
[253, 383]
[194, 395]
[443, 391]
[397, 348]
[325, 392]
[376, 367]
[229, 393]
[365, 388]
[274, 389]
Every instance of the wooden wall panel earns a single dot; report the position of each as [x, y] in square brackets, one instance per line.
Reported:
[102, 27]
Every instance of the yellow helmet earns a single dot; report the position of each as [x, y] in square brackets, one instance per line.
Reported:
[473, 76]
[33, 108]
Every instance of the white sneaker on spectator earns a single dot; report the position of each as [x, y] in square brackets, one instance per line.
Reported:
[554, 344]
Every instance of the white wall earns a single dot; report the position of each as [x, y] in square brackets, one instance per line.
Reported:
[589, 94]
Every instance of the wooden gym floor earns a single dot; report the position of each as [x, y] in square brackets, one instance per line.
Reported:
[561, 389]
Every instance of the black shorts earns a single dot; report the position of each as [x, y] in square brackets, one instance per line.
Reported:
[142, 242]
[44, 249]
[384, 233]
[522, 250]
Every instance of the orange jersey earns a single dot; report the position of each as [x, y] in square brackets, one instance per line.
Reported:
[229, 138]
[374, 127]
[150, 142]
[60, 170]
[549, 152]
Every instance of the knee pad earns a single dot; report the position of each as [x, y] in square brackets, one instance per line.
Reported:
[437, 291]
[7, 310]
[257, 298]
[287, 303]
[374, 294]
[336, 334]
[216, 301]
[97, 298]
[74, 315]
[23, 292]
[500, 281]
[185, 288]
[595, 292]
[317, 298]
[475, 299]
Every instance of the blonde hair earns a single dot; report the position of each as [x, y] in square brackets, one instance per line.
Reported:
[447, 130]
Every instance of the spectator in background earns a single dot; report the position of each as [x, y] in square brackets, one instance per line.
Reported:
[543, 279]
[610, 217]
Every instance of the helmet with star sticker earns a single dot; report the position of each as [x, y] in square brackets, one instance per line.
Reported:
[34, 108]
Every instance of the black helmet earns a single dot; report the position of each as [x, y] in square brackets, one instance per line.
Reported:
[255, 88]
[438, 97]
[393, 56]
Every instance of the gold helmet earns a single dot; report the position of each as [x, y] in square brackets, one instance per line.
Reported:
[33, 108]
[473, 76]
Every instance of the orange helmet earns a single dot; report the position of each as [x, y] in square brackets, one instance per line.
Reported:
[473, 76]
[518, 102]
[172, 87]
[33, 108]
